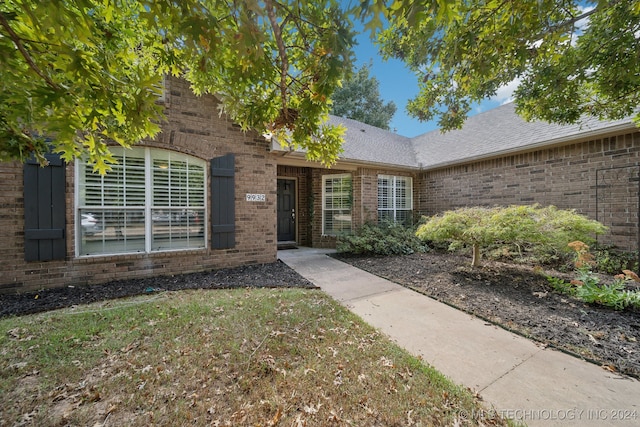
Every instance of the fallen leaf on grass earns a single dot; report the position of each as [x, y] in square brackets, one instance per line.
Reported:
[18, 365]
[410, 421]
[386, 362]
[276, 418]
[15, 332]
[130, 347]
[312, 409]
[299, 422]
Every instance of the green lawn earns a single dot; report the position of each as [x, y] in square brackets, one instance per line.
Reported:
[258, 357]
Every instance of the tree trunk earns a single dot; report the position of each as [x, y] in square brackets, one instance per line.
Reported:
[476, 256]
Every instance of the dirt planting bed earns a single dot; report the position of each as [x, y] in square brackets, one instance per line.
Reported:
[520, 299]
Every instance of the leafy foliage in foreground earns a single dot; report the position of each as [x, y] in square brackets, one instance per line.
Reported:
[84, 72]
[583, 58]
[232, 357]
[387, 238]
[524, 226]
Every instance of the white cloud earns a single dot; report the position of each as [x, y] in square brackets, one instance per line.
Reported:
[581, 25]
[504, 94]
[584, 23]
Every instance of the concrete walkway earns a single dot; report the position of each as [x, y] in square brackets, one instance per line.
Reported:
[520, 379]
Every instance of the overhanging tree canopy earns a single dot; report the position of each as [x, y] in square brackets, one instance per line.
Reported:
[89, 71]
[571, 57]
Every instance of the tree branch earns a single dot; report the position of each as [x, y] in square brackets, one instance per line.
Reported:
[18, 42]
[571, 22]
[284, 61]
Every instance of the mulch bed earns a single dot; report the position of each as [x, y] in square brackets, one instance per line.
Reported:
[273, 275]
[516, 297]
[519, 298]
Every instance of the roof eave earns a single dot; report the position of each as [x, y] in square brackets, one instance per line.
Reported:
[298, 158]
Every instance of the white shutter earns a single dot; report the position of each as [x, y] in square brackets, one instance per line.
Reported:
[141, 205]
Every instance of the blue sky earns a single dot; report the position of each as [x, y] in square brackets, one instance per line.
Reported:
[399, 84]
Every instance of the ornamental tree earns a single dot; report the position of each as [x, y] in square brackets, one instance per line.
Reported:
[570, 57]
[478, 227]
[77, 73]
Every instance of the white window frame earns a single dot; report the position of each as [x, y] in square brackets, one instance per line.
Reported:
[325, 179]
[396, 204]
[150, 153]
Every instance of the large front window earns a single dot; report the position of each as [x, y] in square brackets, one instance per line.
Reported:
[336, 204]
[152, 200]
[395, 201]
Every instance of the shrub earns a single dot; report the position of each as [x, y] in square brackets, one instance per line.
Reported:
[611, 260]
[386, 238]
[562, 286]
[545, 229]
[587, 285]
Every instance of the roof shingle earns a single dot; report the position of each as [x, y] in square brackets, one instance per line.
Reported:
[494, 132]
[366, 143]
[498, 131]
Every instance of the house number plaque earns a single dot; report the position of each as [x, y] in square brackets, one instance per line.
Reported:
[256, 197]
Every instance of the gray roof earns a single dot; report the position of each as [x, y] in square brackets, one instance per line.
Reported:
[366, 143]
[496, 132]
[501, 131]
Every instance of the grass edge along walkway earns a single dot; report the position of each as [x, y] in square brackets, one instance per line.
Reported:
[259, 357]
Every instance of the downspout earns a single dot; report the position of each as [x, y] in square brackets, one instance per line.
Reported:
[361, 198]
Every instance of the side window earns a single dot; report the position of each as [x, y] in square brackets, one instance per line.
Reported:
[337, 200]
[395, 198]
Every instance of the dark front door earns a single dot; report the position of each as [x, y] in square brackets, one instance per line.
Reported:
[286, 210]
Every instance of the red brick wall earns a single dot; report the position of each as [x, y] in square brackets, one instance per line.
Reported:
[562, 176]
[368, 187]
[365, 199]
[193, 127]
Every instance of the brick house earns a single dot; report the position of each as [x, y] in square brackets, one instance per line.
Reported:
[495, 159]
[205, 195]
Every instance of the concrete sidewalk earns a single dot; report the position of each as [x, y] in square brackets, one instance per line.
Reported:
[522, 380]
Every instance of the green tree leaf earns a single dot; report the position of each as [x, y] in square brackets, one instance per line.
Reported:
[86, 73]
[572, 58]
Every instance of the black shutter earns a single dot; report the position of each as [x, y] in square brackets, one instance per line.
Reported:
[223, 211]
[44, 210]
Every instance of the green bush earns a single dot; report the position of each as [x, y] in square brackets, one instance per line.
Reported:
[544, 229]
[613, 295]
[586, 286]
[612, 261]
[387, 238]
[561, 286]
